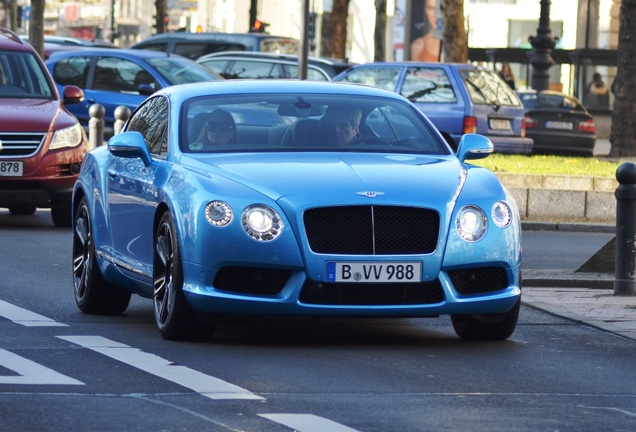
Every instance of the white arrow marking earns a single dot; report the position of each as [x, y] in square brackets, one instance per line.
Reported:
[307, 423]
[31, 372]
[206, 385]
[26, 317]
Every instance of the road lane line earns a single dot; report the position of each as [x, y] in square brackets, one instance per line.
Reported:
[25, 317]
[201, 383]
[31, 372]
[307, 423]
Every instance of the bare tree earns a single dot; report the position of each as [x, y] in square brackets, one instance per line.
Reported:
[623, 133]
[36, 26]
[454, 37]
[380, 31]
[333, 34]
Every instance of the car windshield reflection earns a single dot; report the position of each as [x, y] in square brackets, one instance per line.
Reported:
[269, 123]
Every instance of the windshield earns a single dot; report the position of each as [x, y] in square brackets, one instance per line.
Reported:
[487, 88]
[305, 122]
[178, 70]
[22, 77]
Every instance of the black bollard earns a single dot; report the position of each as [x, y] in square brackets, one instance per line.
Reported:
[625, 267]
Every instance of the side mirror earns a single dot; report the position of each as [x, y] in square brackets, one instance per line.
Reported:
[72, 94]
[130, 145]
[474, 146]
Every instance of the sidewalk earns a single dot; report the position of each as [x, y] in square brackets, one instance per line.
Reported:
[586, 298]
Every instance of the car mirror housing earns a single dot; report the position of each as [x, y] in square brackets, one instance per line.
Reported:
[130, 145]
[474, 146]
[72, 94]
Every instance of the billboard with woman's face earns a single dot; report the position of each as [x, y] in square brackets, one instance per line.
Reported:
[417, 29]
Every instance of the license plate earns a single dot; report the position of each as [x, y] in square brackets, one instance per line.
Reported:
[499, 124]
[11, 169]
[374, 272]
[559, 125]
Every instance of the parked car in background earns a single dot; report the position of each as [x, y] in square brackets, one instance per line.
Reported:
[247, 64]
[458, 98]
[237, 218]
[558, 123]
[121, 77]
[195, 45]
[42, 144]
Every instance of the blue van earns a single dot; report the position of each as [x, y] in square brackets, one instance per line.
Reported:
[458, 98]
[195, 45]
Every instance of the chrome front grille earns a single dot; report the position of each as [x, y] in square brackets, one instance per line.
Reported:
[372, 230]
[20, 143]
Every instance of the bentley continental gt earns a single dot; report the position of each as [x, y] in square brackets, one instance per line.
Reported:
[349, 203]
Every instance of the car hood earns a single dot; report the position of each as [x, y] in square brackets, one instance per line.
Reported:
[30, 115]
[307, 179]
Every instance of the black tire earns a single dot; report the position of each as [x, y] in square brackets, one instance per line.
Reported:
[487, 326]
[93, 294]
[62, 215]
[22, 209]
[174, 317]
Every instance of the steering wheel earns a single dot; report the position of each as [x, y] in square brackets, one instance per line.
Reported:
[367, 140]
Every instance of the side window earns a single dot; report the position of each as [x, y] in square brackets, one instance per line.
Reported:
[217, 66]
[250, 69]
[71, 71]
[385, 78]
[431, 85]
[151, 120]
[116, 74]
[313, 73]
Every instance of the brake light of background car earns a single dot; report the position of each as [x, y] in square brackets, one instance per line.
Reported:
[470, 124]
[523, 126]
[587, 126]
[530, 123]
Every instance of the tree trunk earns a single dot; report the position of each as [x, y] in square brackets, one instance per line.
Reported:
[380, 31]
[454, 37]
[161, 7]
[36, 26]
[623, 133]
[333, 35]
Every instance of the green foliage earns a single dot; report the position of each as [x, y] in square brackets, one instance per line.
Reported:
[546, 164]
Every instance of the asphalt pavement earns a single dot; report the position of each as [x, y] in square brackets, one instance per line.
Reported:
[585, 297]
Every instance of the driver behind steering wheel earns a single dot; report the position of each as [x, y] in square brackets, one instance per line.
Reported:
[341, 124]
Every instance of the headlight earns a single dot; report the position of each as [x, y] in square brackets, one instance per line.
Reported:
[501, 214]
[471, 223]
[219, 213]
[262, 223]
[68, 137]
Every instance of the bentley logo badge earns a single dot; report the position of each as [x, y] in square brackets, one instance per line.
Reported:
[370, 194]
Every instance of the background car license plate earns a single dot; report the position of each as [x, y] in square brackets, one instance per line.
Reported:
[558, 125]
[13, 169]
[374, 271]
[499, 124]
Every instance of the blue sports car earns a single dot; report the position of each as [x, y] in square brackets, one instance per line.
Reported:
[337, 200]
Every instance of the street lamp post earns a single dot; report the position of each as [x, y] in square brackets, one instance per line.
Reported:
[541, 54]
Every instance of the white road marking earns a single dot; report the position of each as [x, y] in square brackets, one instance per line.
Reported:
[25, 317]
[307, 423]
[201, 383]
[31, 372]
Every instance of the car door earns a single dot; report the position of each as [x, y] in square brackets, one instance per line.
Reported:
[111, 83]
[133, 189]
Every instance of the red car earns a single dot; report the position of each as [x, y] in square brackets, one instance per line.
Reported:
[42, 145]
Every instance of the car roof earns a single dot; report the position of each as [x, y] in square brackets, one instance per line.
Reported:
[281, 86]
[123, 52]
[272, 55]
[418, 64]
[207, 36]
[11, 41]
